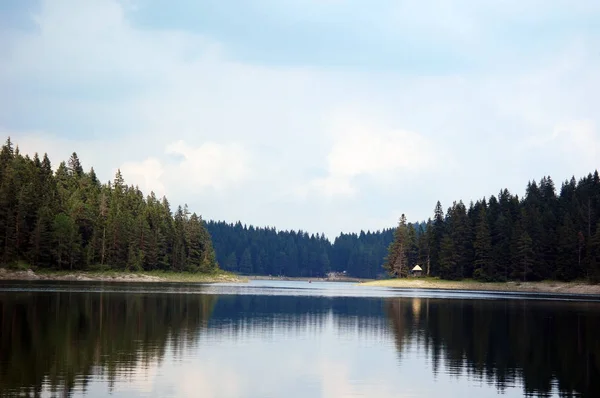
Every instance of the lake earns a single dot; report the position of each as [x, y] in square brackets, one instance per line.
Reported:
[292, 339]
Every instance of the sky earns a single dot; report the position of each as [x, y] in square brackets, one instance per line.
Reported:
[320, 115]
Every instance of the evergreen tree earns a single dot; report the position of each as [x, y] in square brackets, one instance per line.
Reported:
[484, 267]
[396, 262]
[567, 266]
[69, 220]
[437, 233]
[74, 166]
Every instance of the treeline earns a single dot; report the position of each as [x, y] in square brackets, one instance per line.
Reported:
[542, 236]
[266, 251]
[69, 220]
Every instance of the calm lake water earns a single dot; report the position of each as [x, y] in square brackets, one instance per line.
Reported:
[291, 339]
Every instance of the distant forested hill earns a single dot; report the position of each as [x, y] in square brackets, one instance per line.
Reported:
[544, 235]
[266, 251]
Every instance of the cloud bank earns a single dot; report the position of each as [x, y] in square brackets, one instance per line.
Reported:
[322, 121]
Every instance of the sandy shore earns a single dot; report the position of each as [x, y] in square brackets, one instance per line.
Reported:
[551, 287]
[115, 276]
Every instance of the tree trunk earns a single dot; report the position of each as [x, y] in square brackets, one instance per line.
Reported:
[428, 264]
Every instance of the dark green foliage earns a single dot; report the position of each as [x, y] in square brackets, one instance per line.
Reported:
[551, 346]
[455, 249]
[266, 251]
[484, 267]
[69, 220]
[543, 236]
[245, 265]
[436, 236]
[396, 262]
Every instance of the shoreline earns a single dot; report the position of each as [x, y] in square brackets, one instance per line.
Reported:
[545, 287]
[304, 278]
[548, 287]
[118, 276]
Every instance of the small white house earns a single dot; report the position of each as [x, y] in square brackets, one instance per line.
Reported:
[417, 270]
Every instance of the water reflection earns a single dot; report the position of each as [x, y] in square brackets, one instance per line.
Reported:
[542, 345]
[59, 340]
[175, 344]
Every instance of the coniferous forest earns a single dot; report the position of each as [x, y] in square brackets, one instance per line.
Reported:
[545, 235]
[67, 219]
[266, 251]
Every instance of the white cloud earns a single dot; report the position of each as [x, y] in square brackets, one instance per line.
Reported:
[256, 142]
[580, 140]
[146, 174]
[576, 143]
[213, 165]
[329, 187]
[372, 149]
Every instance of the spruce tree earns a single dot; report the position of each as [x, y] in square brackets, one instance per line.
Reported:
[484, 268]
[437, 233]
[567, 265]
[396, 262]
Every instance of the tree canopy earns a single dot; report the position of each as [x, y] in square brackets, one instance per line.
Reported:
[544, 235]
[68, 220]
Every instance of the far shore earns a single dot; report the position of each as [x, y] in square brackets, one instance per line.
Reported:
[304, 278]
[119, 276]
[549, 287]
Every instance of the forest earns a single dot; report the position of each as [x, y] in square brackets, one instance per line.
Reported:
[67, 219]
[266, 251]
[542, 236]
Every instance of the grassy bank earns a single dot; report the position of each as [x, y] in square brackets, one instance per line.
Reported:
[118, 276]
[553, 287]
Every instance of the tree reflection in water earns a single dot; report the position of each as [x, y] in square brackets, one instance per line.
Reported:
[539, 343]
[62, 341]
[59, 339]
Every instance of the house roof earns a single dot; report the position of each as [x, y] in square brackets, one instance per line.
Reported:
[417, 268]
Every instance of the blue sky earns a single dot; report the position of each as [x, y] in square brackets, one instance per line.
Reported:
[321, 115]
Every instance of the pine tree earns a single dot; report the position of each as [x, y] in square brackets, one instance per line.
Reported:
[484, 268]
[423, 244]
[396, 262]
[70, 220]
[74, 166]
[437, 233]
[41, 239]
[593, 271]
[567, 266]
[64, 240]
[448, 256]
